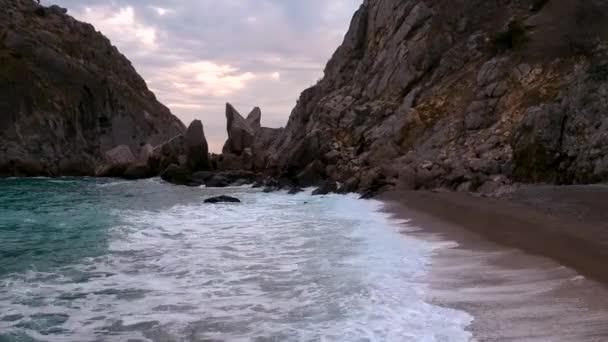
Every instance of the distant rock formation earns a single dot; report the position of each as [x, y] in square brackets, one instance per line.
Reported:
[248, 142]
[68, 98]
[463, 95]
[241, 131]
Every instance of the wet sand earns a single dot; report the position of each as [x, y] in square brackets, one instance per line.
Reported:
[530, 267]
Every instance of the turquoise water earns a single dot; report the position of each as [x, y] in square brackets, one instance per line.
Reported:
[47, 223]
[108, 260]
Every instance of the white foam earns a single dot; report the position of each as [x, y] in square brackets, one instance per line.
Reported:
[296, 268]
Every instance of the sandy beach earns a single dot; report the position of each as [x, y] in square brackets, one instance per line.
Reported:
[528, 267]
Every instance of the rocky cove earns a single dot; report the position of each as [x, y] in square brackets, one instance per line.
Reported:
[420, 95]
[478, 130]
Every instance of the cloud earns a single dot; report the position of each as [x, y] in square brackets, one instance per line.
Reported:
[122, 25]
[198, 54]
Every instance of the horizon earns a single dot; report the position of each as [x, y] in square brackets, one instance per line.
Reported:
[197, 55]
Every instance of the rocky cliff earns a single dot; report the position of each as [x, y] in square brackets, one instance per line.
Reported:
[461, 94]
[67, 96]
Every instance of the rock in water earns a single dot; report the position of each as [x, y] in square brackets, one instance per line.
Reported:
[117, 160]
[222, 199]
[137, 171]
[295, 190]
[67, 95]
[197, 151]
[325, 189]
[177, 175]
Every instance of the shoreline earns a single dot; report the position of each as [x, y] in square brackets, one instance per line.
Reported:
[525, 267]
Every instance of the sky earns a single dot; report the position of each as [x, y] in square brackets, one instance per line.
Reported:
[196, 55]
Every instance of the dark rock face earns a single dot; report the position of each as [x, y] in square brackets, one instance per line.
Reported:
[457, 94]
[228, 178]
[178, 175]
[67, 96]
[202, 176]
[295, 190]
[313, 174]
[137, 171]
[325, 189]
[197, 150]
[222, 199]
[254, 119]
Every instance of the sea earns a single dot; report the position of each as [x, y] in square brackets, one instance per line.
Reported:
[85, 259]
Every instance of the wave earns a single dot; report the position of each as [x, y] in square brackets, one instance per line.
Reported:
[276, 267]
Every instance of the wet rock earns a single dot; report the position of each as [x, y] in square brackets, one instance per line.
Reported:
[295, 190]
[325, 189]
[177, 175]
[137, 171]
[228, 178]
[202, 176]
[218, 181]
[222, 199]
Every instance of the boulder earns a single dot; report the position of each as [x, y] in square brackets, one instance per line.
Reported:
[120, 155]
[202, 176]
[272, 184]
[326, 188]
[218, 181]
[228, 178]
[222, 199]
[295, 190]
[117, 161]
[178, 175]
[111, 171]
[231, 161]
[145, 153]
[167, 153]
[196, 148]
[137, 171]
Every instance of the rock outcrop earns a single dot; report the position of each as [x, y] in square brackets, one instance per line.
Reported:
[197, 150]
[463, 94]
[248, 142]
[189, 151]
[240, 130]
[222, 199]
[67, 96]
